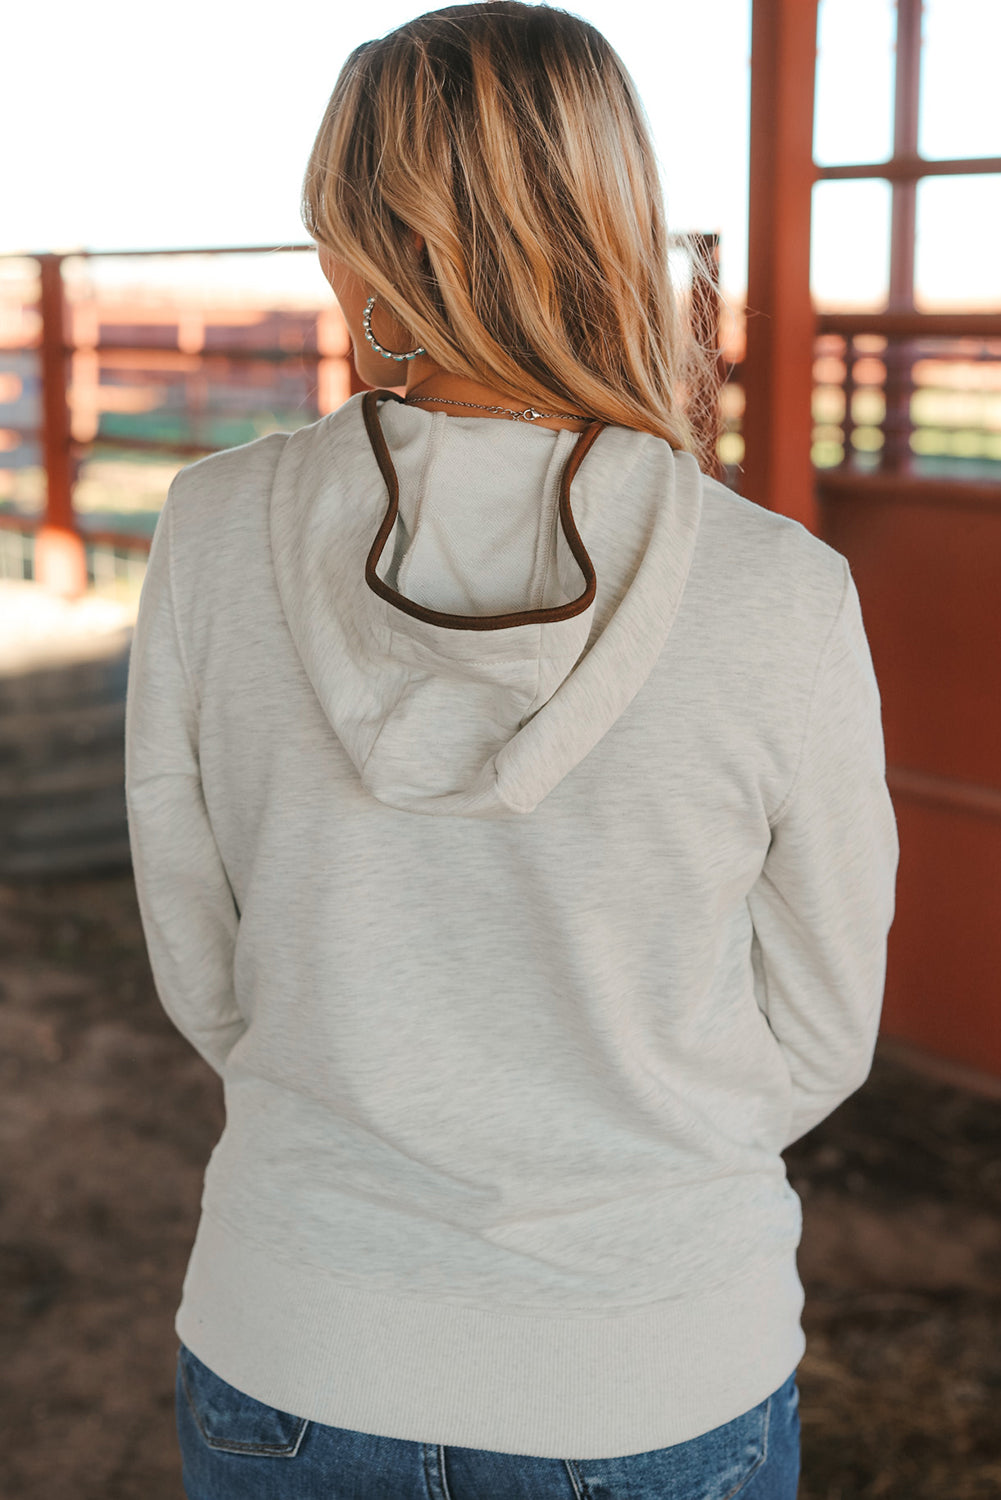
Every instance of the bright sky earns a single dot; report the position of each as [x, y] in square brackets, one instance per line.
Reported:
[191, 125]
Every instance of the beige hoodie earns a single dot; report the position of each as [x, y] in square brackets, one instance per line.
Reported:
[520, 855]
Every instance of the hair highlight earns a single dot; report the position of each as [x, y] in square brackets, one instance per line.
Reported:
[510, 138]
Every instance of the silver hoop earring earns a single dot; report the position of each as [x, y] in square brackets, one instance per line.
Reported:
[366, 323]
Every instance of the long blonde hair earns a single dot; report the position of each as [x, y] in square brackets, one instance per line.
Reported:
[511, 138]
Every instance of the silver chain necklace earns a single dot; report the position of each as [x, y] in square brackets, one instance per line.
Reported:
[528, 415]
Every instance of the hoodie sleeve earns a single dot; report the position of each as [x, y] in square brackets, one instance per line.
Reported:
[188, 912]
[823, 904]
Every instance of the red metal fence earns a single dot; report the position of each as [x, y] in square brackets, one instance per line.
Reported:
[96, 361]
[93, 360]
[896, 393]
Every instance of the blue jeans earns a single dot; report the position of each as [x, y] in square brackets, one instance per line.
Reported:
[236, 1448]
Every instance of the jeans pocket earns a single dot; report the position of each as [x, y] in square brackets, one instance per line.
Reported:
[231, 1422]
[734, 1453]
[716, 1466]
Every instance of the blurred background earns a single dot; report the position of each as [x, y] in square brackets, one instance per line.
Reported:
[839, 164]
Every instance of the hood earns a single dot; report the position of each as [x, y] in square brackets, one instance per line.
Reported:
[437, 578]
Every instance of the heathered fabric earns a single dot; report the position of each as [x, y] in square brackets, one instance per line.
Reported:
[522, 952]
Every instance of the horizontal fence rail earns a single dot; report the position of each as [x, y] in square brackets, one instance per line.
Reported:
[144, 379]
[105, 390]
[93, 376]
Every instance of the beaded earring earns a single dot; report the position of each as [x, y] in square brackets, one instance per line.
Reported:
[366, 323]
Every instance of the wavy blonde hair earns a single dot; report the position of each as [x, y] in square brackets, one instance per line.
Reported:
[511, 138]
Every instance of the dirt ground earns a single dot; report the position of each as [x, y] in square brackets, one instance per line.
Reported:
[107, 1117]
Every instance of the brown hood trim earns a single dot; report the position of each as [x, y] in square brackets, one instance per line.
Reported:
[370, 411]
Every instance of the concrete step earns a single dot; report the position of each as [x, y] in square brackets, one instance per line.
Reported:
[91, 857]
[63, 677]
[32, 740]
[65, 778]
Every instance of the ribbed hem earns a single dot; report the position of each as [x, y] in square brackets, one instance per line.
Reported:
[546, 1386]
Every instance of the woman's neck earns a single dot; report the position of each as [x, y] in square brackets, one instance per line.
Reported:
[437, 388]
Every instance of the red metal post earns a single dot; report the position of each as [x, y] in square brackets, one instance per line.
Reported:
[906, 115]
[778, 368]
[60, 559]
[903, 231]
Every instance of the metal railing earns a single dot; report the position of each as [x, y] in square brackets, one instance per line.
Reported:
[912, 394]
[894, 393]
[915, 396]
[82, 378]
[175, 383]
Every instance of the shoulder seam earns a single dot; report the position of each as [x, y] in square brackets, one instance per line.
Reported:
[783, 806]
[182, 654]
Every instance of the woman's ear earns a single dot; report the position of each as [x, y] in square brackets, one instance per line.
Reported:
[418, 240]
